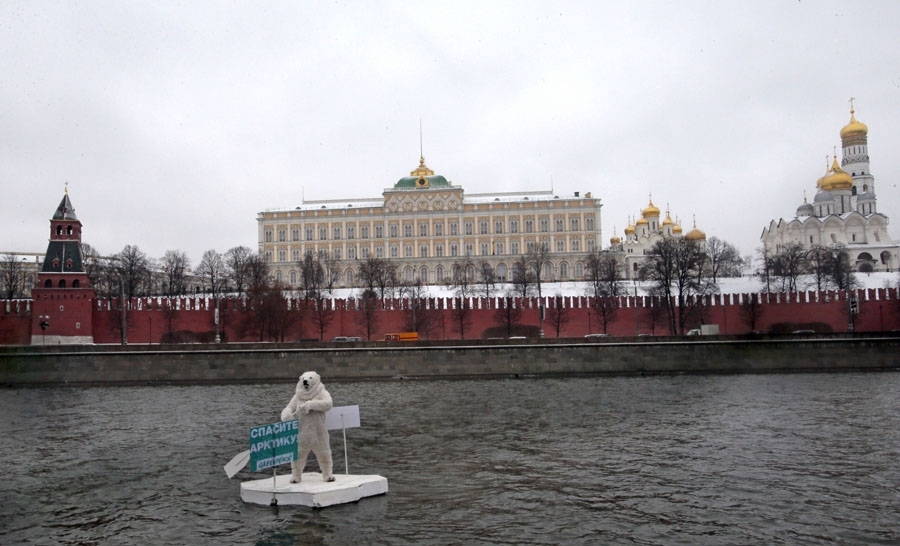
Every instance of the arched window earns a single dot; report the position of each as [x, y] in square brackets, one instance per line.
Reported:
[564, 270]
[439, 274]
[76, 284]
[501, 272]
[62, 283]
[423, 274]
[349, 276]
[48, 284]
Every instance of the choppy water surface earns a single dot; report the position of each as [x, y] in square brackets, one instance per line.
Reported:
[783, 459]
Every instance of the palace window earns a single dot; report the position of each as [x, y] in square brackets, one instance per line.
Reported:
[295, 255]
[364, 232]
[280, 255]
[393, 230]
[514, 226]
[336, 253]
[484, 249]
[379, 252]
[560, 246]
[454, 250]
[439, 250]
[574, 222]
[379, 232]
[514, 247]
[545, 225]
[589, 223]
[529, 226]
[323, 234]
[351, 232]
[407, 230]
[559, 224]
[453, 229]
[470, 249]
[576, 245]
[309, 234]
[295, 234]
[423, 230]
[439, 229]
[407, 251]
[351, 253]
[268, 236]
[364, 252]
[483, 228]
[468, 228]
[337, 233]
[281, 235]
[423, 251]
[395, 252]
[499, 249]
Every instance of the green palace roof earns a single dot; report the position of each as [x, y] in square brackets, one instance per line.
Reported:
[422, 177]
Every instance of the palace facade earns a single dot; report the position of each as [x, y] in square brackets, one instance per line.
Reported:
[425, 225]
[844, 212]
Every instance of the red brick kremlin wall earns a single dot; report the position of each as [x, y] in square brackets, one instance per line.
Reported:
[879, 310]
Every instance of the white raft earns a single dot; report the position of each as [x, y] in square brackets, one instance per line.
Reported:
[313, 491]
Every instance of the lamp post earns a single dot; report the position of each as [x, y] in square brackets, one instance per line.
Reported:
[44, 324]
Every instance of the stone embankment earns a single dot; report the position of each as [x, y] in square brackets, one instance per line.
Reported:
[262, 363]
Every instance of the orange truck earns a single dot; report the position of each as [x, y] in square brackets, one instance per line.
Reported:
[403, 336]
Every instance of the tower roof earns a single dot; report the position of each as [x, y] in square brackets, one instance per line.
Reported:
[65, 210]
[854, 128]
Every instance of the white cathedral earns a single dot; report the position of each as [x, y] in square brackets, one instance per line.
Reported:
[844, 211]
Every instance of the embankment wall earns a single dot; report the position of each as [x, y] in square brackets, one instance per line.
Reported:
[197, 364]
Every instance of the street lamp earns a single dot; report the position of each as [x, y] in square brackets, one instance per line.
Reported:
[44, 324]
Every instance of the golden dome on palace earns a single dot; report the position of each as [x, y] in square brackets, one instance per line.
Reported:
[651, 210]
[677, 229]
[695, 235]
[614, 240]
[668, 221]
[629, 229]
[854, 128]
[643, 222]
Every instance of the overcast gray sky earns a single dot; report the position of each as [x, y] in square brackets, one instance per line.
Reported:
[175, 123]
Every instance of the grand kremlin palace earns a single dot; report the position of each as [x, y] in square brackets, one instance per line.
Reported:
[424, 224]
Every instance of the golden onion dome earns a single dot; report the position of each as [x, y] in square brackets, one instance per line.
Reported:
[614, 240]
[677, 230]
[651, 211]
[695, 234]
[668, 221]
[643, 222]
[629, 229]
[854, 128]
[838, 179]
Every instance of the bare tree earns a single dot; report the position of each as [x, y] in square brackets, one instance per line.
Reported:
[508, 314]
[751, 310]
[558, 315]
[212, 270]
[12, 277]
[787, 266]
[522, 277]
[487, 278]
[133, 272]
[378, 275]
[312, 276]
[236, 267]
[463, 284]
[674, 266]
[605, 284]
[368, 313]
[419, 318]
[723, 259]
[175, 266]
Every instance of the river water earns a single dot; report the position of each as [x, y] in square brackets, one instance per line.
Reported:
[755, 459]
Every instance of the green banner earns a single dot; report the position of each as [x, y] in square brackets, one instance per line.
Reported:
[273, 445]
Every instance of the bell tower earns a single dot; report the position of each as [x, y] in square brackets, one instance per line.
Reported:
[63, 297]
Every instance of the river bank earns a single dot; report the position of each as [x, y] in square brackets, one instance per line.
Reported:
[265, 363]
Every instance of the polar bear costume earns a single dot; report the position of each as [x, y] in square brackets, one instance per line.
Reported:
[308, 406]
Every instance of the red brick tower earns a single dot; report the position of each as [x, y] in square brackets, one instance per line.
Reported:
[63, 297]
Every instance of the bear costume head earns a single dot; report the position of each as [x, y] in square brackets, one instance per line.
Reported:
[309, 386]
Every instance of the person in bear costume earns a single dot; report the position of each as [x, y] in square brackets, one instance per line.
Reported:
[308, 406]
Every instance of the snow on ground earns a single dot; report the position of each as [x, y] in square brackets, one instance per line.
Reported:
[738, 285]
